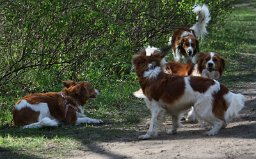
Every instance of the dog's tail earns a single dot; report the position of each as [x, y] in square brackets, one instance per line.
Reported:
[139, 94]
[235, 104]
[203, 18]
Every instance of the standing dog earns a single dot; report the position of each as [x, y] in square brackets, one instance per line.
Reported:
[184, 41]
[53, 108]
[212, 101]
[209, 65]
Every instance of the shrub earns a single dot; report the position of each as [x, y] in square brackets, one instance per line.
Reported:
[45, 42]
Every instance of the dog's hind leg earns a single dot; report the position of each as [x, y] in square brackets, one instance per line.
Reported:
[45, 122]
[203, 110]
[155, 109]
[217, 125]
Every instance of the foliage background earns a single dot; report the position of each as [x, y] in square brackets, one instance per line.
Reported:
[45, 42]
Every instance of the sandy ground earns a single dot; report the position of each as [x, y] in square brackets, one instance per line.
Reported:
[237, 140]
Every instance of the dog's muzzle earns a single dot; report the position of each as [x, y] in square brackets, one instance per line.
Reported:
[190, 52]
[94, 94]
[210, 67]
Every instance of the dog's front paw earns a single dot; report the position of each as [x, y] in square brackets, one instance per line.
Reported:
[211, 133]
[144, 137]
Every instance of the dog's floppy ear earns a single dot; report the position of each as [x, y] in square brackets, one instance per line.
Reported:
[69, 83]
[200, 60]
[81, 89]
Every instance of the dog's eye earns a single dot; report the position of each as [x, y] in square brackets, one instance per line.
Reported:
[187, 44]
[214, 60]
[207, 59]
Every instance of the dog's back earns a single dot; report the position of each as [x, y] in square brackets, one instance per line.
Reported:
[179, 69]
[30, 108]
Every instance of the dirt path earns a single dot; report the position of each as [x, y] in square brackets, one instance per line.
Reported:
[237, 140]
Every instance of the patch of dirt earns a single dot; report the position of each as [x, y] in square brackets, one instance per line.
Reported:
[237, 140]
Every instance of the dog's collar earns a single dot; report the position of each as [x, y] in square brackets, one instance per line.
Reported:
[68, 105]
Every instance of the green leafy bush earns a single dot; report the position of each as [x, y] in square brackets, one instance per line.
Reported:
[45, 42]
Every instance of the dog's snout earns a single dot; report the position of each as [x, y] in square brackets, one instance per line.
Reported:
[94, 93]
[189, 52]
[210, 64]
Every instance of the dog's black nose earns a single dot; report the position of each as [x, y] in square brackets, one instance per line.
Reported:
[210, 65]
[189, 52]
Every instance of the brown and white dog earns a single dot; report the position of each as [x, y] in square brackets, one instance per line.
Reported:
[184, 41]
[53, 108]
[213, 102]
[209, 65]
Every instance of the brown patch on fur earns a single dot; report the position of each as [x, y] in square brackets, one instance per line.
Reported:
[179, 69]
[25, 116]
[167, 88]
[75, 94]
[200, 84]
[219, 104]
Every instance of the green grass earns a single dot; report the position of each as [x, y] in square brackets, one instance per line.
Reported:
[234, 40]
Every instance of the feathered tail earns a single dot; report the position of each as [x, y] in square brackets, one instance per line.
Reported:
[203, 18]
[139, 94]
[236, 103]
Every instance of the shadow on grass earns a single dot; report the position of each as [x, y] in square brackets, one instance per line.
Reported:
[88, 136]
[10, 154]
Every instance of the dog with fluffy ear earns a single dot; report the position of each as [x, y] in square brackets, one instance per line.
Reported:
[213, 102]
[54, 108]
[210, 65]
[184, 41]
